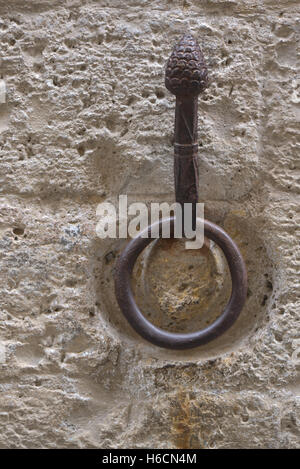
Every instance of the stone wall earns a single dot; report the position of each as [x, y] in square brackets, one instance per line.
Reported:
[86, 118]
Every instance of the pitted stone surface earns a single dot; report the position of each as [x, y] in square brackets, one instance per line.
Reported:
[87, 117]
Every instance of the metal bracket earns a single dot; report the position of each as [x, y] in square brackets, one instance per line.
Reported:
[186, 77]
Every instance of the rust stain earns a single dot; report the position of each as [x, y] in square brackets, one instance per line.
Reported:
[184, 425]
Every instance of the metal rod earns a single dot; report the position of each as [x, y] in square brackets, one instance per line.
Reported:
[186, 77]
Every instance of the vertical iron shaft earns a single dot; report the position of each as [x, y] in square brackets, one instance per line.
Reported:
[186, 77]
[186, 153]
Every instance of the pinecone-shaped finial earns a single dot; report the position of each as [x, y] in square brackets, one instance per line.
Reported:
[186, 72]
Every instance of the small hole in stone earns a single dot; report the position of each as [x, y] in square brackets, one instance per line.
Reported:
[160, 94]
[278, 337]
[130, 100]
[70, 282]
[81, 150]
[109, 257]
[264, 300]
[18, 231]
[269, 285]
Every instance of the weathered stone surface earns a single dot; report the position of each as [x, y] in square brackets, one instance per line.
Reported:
[87, 117]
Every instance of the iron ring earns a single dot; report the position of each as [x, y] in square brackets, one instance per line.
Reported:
[160, 337]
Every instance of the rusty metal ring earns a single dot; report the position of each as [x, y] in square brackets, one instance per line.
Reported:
[164, 338]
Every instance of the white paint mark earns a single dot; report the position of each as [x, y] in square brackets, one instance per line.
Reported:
[2, 353]
[2, 92]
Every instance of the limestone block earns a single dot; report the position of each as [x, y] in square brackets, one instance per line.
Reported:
[86, 117]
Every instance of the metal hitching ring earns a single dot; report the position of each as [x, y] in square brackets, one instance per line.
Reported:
[160, 337]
